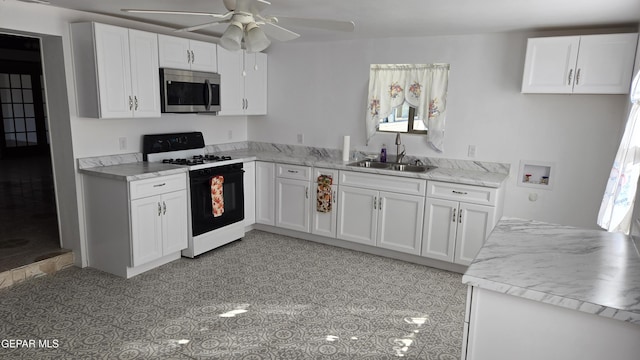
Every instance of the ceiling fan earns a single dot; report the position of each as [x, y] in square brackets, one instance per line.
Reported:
[245, 21]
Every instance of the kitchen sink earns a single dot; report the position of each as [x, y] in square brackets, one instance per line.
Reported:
[391, 166]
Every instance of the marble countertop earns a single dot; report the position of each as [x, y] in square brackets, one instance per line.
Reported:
[460, 176]
[586, 270]
[134, 171]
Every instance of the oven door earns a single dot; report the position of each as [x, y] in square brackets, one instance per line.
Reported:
[202, 210]
[184, 91]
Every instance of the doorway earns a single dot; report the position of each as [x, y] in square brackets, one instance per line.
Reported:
[28, 216]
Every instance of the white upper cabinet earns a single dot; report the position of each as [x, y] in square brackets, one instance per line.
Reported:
[591, 64]
[243, 79]
[180, 53]
[116, 71]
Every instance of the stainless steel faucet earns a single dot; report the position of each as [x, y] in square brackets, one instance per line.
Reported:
[399, 155]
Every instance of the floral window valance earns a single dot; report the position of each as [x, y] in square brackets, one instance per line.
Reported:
[422, 86]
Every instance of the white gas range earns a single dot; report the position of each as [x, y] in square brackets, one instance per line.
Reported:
[216, 197]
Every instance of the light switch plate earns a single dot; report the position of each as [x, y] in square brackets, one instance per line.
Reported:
[471, 152]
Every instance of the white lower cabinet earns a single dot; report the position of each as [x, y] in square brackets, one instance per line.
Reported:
[265, 193]
[249, 180]
[293, 198]
[158, 226]
[369, 214]
[454, 230]
[135, 226]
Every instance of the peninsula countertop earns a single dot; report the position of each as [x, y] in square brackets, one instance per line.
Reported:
[586, 270]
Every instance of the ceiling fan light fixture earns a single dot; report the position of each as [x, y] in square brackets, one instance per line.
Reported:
[255, 39]
[232, 37]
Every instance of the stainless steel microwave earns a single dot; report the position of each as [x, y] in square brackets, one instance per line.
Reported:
[185, 91]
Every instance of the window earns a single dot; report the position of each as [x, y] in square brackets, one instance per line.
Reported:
[403, 119]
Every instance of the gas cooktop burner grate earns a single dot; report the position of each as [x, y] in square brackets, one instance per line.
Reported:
[196, 160]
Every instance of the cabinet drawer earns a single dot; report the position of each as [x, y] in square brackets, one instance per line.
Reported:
[459, 192]
[396, 184]
[322, 171]
[295, 172]
[159, 185]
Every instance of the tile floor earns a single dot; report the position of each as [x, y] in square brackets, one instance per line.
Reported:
[28, 218]
[265, 297]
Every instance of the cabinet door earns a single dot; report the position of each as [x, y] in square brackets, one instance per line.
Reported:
[174, 222]
[249, 193]
[439, 234]
[550, 65]
[325, 223]
[146, 230]
[475, 222]
[230, 67]
[292, 204]
[400, 222]
[605, 64]
[204, 56]
[145, 79]
[265, 193]
[174, 52]
[357, 214]
[114, 71]
[255, 84]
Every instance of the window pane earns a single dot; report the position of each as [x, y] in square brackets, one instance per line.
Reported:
[5, 95]
[7, 111]
[27, 96]
[32, 138]
[31, 124]
[16, 95]
[419, 125]
[15, 81]
[26, 81]
[8, 125]
[28, 110]
[20, 126]
[21, 139]
[10, 140]
[17, 110]
[4, 80]
[397, 121]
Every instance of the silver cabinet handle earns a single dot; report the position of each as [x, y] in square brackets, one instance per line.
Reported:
[459, 192]
[293, 171]
[306, 192]
[380, 203]
[453, 219]
[130, 102]
[159, 185]
[334, 196]
[570, 74]
[193, 57]
[164, 208]
[247, 101]
[578, 77]
[135, 101]
[460, 217]
[159, 209]
[375, 202]
[188, 57]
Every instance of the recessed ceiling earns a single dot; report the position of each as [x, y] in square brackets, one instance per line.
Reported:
[393, 18]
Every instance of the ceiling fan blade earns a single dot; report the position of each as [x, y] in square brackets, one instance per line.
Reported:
[201, 26]
[257, 6]
[175, 12]
[324, 24]
[278, 32]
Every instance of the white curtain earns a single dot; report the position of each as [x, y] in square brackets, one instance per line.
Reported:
[423, 86]
[617, 203]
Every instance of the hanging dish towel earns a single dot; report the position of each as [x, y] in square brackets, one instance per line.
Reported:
[217, 199]
[324, 193]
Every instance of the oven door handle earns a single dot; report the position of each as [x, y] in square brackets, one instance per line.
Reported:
[207, 85]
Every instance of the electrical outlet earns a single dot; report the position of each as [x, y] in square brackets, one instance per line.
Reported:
[230, 134]
[471, 152]
[300, 138]
[123, 143]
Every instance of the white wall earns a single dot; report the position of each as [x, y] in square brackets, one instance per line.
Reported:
[319, 90]
[74, 137]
